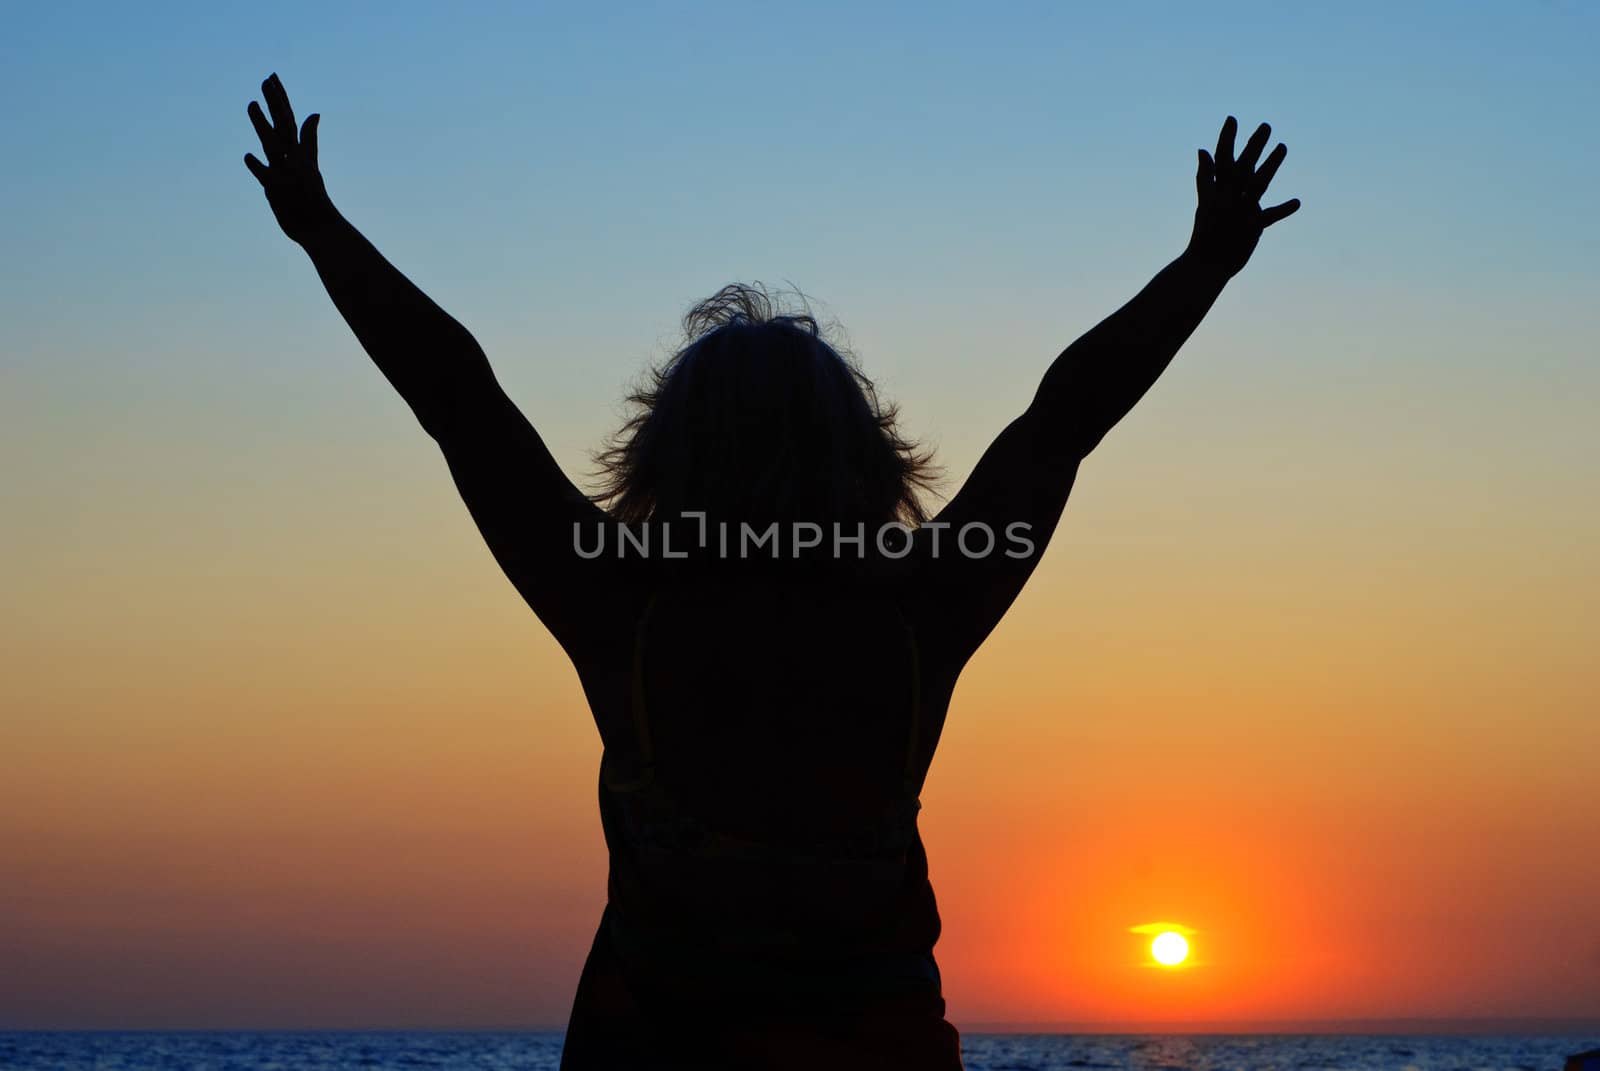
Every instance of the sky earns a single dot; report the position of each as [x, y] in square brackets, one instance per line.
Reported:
[1308, 668]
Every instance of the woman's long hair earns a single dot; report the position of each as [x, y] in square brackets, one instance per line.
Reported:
[759, 418]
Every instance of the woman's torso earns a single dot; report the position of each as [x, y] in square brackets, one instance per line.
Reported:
[759, 789]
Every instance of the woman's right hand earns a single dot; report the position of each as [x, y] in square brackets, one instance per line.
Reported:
[1229, 218]
[290, 177]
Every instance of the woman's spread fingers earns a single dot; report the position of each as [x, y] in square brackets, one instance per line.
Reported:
[308, 136]
[1263, 177]
[278, 104]
[1277, 212]
[264, 131]
[1253, 147]
[1224, 153]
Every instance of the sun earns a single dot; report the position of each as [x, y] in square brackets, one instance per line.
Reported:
[1169, 948]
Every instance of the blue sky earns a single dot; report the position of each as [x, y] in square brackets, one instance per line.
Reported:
[965, 187]
[551, 165]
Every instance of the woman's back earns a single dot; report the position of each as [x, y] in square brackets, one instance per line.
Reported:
[780, 708]
[760, 810]
[763, 801]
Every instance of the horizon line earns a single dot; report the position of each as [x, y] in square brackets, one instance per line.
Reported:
[1393, 1025]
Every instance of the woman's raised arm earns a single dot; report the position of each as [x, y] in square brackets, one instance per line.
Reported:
[1027, 472]
[523, 504]
[435, 364]
[1101, 376]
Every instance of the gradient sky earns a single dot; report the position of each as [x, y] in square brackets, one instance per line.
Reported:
[1309, 668]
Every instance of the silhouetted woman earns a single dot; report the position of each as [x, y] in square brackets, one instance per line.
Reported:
[766, 625]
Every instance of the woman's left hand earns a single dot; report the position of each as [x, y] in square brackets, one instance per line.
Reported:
[1229, 219]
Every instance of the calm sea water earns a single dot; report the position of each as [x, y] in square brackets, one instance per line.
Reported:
[982, 1052]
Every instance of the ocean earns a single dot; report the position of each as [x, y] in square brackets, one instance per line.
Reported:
[541, 1051]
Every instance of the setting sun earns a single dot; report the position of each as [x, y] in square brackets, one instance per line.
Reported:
[1169, 949]
[1169, 945]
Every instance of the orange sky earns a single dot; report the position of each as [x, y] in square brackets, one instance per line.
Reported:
[256, 774]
